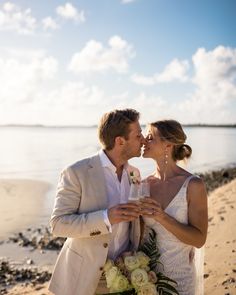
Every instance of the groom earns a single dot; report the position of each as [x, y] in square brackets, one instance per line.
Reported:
[91, 208]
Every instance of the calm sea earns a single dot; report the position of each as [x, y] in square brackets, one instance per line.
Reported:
[41, 153]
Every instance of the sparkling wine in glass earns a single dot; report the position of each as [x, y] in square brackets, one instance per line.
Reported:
[144, 190]
[134, 192]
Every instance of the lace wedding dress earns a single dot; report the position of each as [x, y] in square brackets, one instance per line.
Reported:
[177, 257]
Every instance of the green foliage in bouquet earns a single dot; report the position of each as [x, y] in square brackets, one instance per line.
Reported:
[165, 285]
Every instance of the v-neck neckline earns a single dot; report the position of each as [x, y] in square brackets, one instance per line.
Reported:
[174, 198]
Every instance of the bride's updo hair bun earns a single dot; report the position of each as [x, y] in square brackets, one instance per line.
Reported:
[181, 152]
[172, 131]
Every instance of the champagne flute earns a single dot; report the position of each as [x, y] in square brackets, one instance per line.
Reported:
[134, 192]
[144, 190]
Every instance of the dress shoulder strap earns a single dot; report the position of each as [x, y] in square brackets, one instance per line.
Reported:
[185, 185]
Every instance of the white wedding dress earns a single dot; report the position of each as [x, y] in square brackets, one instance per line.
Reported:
[175, 255]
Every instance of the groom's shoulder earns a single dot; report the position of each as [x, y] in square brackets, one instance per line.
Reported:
[82, 164]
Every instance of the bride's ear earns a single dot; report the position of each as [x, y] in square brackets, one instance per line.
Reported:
[169, 146]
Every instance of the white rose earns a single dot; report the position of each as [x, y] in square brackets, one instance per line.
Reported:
[111, 274]
[139, 277]
[109, 263]
[120, 284]
[148, 289]
[143, 259]
[131, 262]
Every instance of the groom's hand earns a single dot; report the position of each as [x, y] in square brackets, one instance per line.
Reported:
[123, 212]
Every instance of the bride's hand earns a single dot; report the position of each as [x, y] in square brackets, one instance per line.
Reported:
[152, 209]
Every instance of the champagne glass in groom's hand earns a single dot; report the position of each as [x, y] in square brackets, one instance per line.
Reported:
[134, 192]
[144, 190]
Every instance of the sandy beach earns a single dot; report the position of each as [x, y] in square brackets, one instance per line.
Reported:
[20, 203]
[220, 248]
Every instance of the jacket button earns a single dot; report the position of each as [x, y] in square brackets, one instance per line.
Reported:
[105, 245]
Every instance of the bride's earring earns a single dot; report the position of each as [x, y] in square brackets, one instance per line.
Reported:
[166, 163]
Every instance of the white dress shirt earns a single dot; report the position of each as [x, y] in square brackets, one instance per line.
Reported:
[118, 192]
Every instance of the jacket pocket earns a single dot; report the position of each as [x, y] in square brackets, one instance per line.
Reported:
[67, 270]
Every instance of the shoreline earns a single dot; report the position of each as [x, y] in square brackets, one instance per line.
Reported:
[36, 250]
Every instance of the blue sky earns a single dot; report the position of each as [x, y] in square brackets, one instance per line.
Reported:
[66, 63]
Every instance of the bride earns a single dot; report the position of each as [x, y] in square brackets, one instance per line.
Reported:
[177, 209]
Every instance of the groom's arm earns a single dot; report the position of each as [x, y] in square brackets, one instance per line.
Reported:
[65, 220]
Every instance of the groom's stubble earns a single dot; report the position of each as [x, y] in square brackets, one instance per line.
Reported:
[134, 143]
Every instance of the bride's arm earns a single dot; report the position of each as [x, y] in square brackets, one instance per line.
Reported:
[197, 212]
[194, 233]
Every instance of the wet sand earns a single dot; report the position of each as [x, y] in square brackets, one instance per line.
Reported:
[20, 204]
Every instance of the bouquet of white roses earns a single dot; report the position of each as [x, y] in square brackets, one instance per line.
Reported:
[135, 272]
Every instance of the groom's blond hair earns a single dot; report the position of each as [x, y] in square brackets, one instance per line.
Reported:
[116, 123]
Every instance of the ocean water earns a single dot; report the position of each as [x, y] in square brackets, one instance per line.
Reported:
[41, 152]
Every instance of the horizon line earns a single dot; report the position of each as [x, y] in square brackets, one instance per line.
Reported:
[95, 125]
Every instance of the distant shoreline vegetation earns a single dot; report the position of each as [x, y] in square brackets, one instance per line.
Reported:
[95, 126]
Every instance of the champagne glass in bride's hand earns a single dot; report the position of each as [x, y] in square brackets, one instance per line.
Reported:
[144, 190]
[144, 193]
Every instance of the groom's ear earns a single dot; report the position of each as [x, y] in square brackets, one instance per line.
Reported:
[119, 140]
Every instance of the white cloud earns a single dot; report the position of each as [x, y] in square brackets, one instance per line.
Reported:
[214, 88]
[32, 92]
[215, 74]
[176, 70]
[22, 73]
[9, 6]
[49, 23]
[143, 80]
[71, 95]
[215, 81]
[13, 18]
[94, 57]
[150, 106]
[69, 12]
[69, 103]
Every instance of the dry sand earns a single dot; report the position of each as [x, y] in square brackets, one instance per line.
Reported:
[220, 249]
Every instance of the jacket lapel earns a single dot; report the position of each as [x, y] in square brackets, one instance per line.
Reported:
[97, 181]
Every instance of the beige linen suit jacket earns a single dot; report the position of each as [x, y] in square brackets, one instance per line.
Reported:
[78, 216]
